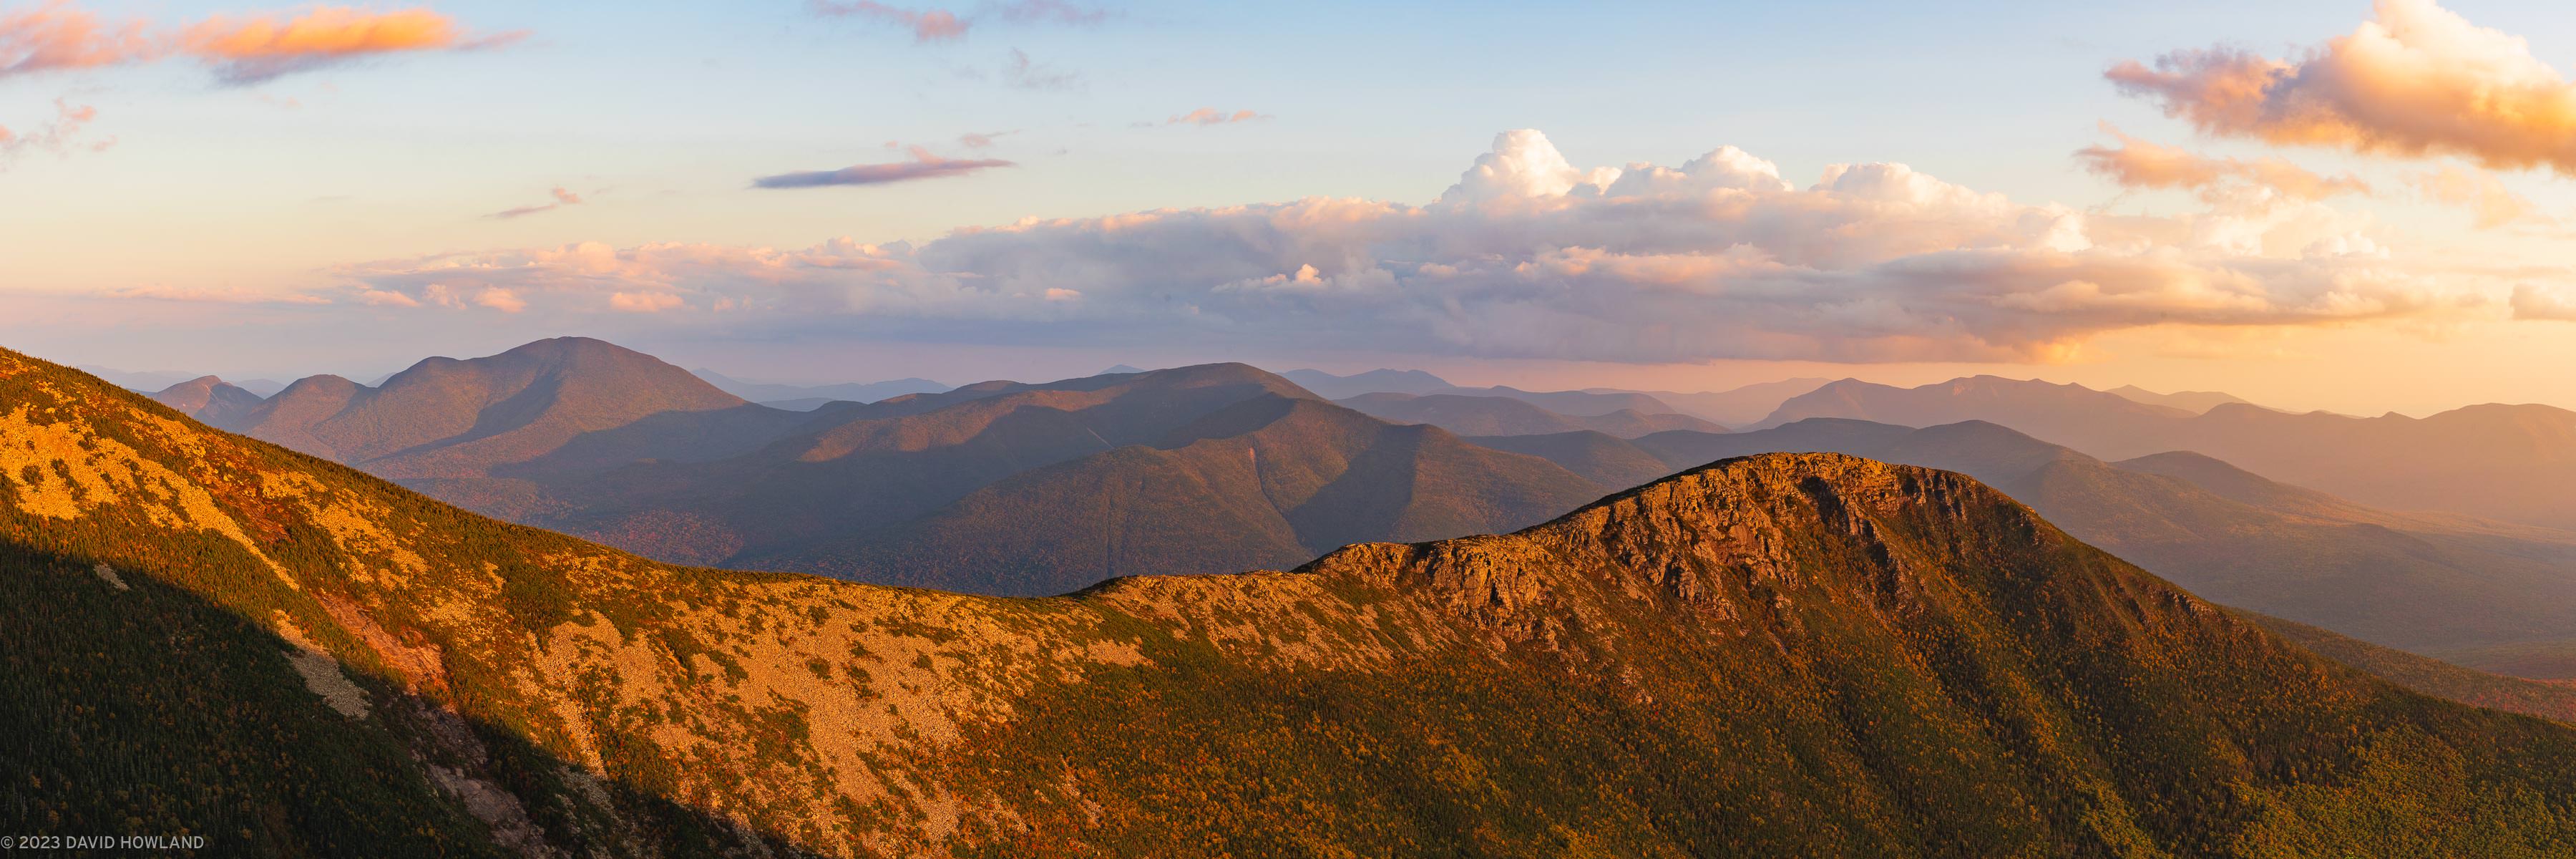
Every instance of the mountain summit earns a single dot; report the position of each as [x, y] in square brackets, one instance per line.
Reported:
[449, 418]
[1792, 654]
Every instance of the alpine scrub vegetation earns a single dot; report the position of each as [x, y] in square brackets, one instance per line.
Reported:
[1788, 654]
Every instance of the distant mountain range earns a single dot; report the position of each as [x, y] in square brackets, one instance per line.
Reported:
[1784, 655]
[1590, 403]
[806, 398]
[1013, 488]
[997, 487]
[1734, 407]
[1028, 489]
[2513, 463]
[148, 382]
[1738, 406]
[2195, 402]
[1484, 415]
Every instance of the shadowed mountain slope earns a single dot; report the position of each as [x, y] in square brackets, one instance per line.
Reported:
[2422, 583]
[1785, 655]
[1371, 382]
[1269, 481]
[2505, 462]
[866, 489]
[864, 468]
[856, 392]
[1478, 415]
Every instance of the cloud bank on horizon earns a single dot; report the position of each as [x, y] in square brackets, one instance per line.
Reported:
[1525, 256]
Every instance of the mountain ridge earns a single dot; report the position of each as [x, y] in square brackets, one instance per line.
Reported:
[1786, 654]
[2422, 583]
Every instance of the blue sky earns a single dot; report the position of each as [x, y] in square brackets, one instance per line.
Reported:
[658, 116]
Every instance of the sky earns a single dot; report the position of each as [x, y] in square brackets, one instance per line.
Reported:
[2346, 205]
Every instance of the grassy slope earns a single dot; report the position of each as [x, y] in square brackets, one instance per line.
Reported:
[1808, 655]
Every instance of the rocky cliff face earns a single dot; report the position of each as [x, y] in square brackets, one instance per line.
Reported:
[1787, 654]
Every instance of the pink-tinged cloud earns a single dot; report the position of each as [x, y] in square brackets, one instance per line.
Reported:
[2139, 163]
[60, 135]
[643, 302]
[2484, 196]
[258, 49]
[563, 197]
[59, 36]
[927, 25]
[2419, 80]
[1023, 73]
[499, 299]
[1213, 116]
[922, 166]
[941, 25]
[216, 296]
[1531, 256]
[241, 50]
[2533, 302]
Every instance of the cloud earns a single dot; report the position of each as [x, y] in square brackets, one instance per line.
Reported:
[1210, 116]
[643, 302]
[1522, 166]
[215, 296]
[255, 50]
[927, 25]
[1530, 256]
[563, 197]
[2478, 191]
[940, 25]
[922, 166]
[1021, 73]
[2533, 302]
[981, 140]
[57, 36]
[499, 299]
[241, 51]
[2419, 80]
[60, 135]
[2138, 163]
